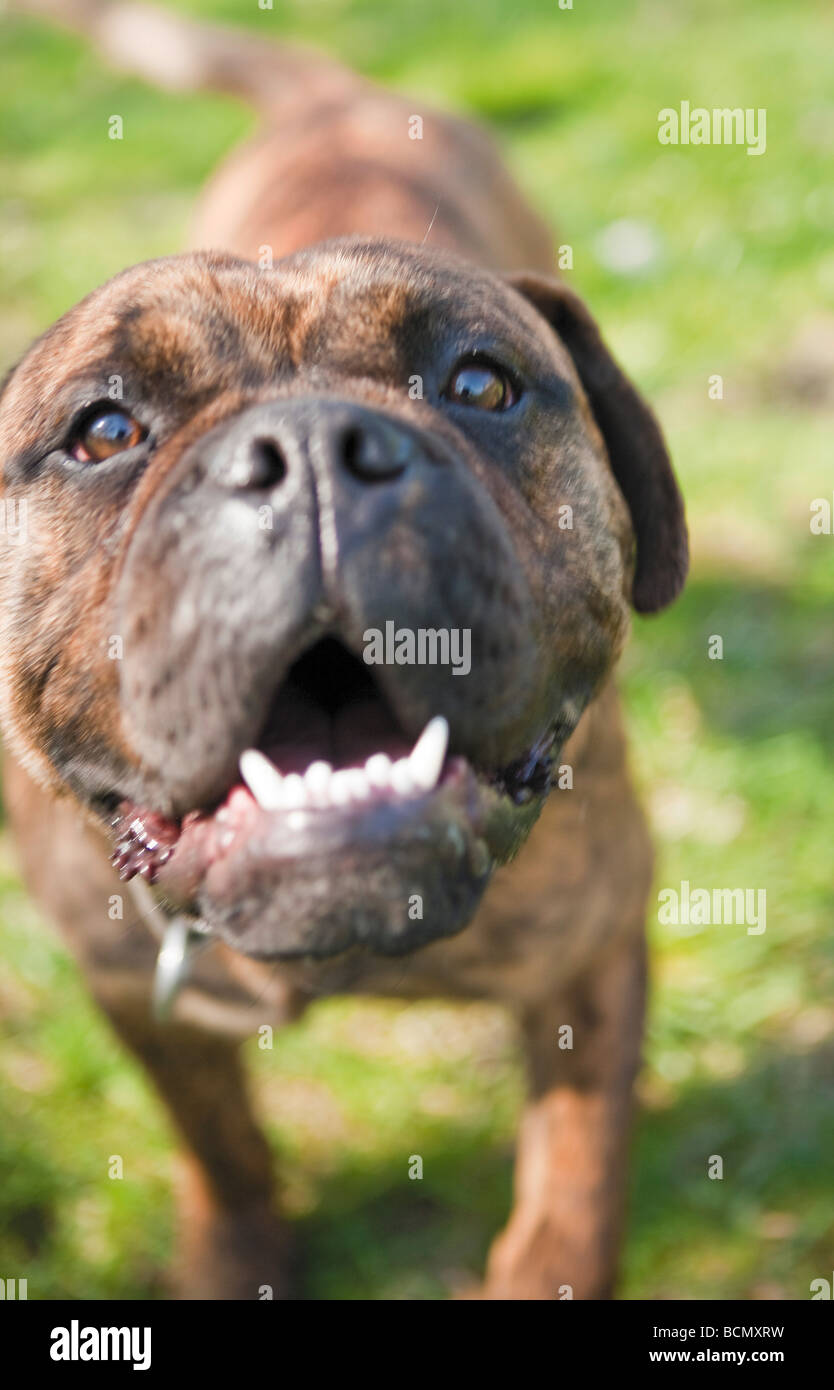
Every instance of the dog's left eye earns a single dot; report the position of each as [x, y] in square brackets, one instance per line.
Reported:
[104, 432]
[481, 385]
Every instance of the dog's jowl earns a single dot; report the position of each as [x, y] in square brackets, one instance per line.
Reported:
[189, 712]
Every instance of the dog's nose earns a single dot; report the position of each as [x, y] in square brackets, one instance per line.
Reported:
[261, 449]
[262, 463]
[374, 450]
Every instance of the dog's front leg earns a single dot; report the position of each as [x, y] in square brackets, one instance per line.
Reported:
[232, 1244]
[563, 1234]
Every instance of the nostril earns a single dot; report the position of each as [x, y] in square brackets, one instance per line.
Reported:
[267, 465]
[375, 454]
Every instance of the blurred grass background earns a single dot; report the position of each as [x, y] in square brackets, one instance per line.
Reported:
[698, 261]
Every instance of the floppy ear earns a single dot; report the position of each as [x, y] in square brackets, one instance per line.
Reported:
[636, 449]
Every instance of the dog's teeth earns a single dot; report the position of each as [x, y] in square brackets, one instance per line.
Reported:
[263, 780]
[360, 787]
[429, 753]
[295, 792]
[378, 770]
[317, 781]
[402, 777]
[320, 786]
[339, 791]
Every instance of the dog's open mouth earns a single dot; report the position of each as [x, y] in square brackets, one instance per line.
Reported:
[335, 788]
[331, 748]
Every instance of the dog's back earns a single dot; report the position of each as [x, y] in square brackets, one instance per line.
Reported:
[335, 155]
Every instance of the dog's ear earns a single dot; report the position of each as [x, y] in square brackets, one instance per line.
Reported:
[636, 449]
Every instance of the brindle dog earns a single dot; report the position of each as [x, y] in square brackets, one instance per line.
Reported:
[227, 473]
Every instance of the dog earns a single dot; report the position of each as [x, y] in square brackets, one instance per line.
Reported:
[361, 412]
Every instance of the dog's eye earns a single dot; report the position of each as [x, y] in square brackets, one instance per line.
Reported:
[482, 385]
[103, 432]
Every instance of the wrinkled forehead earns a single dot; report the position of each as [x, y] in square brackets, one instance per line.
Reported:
[202, 323]
[377, 292]
[177, 323]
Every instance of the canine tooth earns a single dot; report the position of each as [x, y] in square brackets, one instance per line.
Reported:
[378, 770]
[429, 752]
[295, 792]
[263, 780]
[402, 777]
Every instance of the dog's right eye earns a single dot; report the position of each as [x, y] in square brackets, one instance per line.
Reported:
[102, 432]
[482, 385]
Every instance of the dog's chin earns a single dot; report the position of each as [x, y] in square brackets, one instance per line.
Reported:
[388, 872]
[388, 876]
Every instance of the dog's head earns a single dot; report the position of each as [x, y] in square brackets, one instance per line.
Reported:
[271, 537]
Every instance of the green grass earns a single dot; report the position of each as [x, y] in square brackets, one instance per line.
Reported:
[734, 757]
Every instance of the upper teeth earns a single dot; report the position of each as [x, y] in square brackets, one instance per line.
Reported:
[320, 786]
